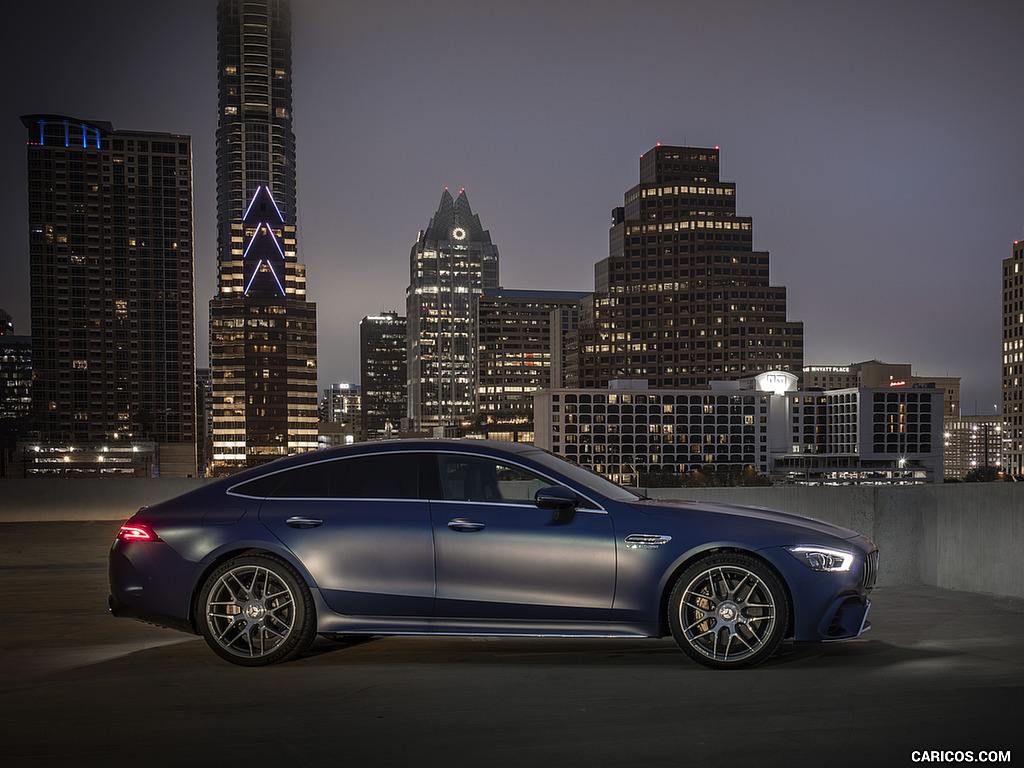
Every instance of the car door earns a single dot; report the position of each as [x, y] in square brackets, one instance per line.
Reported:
[498, 556]
[361, 527]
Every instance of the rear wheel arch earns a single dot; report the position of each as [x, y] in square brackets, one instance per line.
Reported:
[255, 609]
[217, 562]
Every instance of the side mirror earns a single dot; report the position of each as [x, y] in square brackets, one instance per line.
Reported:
[559, 499]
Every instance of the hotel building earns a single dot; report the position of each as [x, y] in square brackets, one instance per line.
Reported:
[874, 374]
[763, 424]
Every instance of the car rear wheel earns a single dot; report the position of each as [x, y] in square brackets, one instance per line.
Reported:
[728, 611]
[256, 610]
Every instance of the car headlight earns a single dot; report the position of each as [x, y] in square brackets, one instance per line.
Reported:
[823, 558]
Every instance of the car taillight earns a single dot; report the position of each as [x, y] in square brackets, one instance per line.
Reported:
[136, 532]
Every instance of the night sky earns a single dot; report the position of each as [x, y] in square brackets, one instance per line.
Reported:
[878, 146]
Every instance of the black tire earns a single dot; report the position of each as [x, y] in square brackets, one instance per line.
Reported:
[256, 610]
[728, 611]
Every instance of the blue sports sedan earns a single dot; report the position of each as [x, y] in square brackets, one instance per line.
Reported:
[479, 538]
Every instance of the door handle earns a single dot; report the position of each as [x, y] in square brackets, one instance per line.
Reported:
[303, 522]
[462, 525]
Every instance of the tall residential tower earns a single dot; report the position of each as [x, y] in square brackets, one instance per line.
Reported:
[110, 251]
[262, 329]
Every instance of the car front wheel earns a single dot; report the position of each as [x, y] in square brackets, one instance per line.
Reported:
[256, 610]
[728, 611]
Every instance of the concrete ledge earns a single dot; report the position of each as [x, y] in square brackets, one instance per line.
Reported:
[962, 536]
[38, 500]
[967, 536]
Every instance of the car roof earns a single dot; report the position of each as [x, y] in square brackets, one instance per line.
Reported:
[432, 444]
[458, 445]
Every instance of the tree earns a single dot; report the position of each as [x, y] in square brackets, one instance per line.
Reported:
[982, 475]
[705, 477]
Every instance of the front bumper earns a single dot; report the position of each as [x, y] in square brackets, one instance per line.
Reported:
[845, 619]
[831, 606]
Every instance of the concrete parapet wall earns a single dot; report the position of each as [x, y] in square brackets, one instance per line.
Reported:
[964, 536]
[47, 500]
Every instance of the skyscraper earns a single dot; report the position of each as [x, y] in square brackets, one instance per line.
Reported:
[255, 143]
[452, 261]
[262, 329]
[682, 298]
[1013, 361]
[110, 250]
[382, 364]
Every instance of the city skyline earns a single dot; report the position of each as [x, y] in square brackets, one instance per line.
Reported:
[875, 148]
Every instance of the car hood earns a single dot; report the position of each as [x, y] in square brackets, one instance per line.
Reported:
[797, 523]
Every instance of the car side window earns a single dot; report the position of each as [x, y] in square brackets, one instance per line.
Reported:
[372, 476]
[310, 481]
[377, 476]
[260, 487]
[479, 478]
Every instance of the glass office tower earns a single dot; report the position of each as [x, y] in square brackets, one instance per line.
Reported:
[452, 261]
[683, 299]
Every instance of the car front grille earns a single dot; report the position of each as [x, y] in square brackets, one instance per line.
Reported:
[870, 570]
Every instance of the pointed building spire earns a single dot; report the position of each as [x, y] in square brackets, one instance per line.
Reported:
[455, 215]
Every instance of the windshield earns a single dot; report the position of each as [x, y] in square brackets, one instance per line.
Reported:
[584, 477]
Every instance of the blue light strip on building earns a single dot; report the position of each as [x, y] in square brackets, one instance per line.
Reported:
[272, 200]
[274, 238]
[272, 272]
[249, 246]
[86, 130]
[276, 279]
[251, 202]
[251, 279]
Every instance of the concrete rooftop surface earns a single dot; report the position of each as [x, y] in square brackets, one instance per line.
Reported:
[940, 672]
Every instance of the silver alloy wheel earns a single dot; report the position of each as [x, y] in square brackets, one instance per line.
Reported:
[250, 611]
[727, 613]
